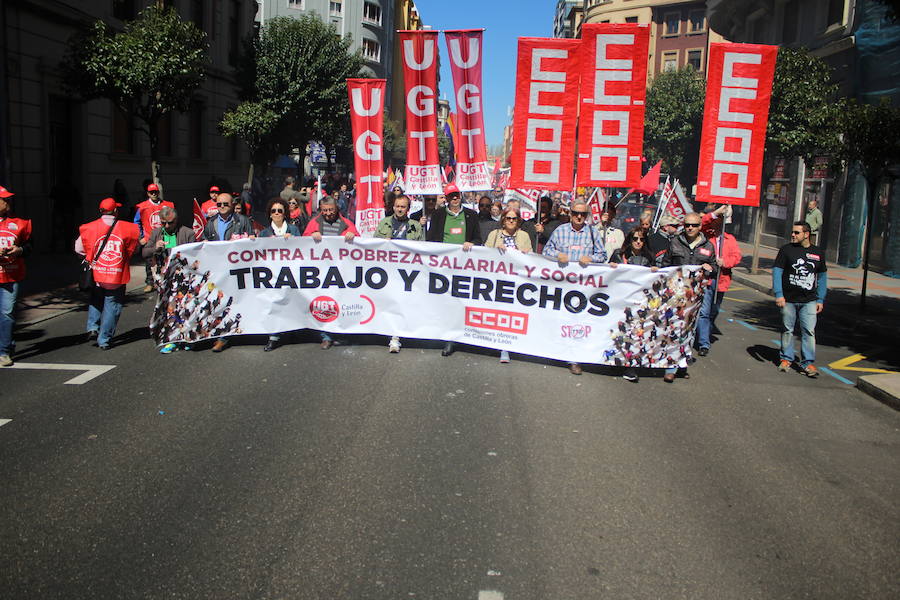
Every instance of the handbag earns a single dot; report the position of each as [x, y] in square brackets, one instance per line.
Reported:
[86, 277]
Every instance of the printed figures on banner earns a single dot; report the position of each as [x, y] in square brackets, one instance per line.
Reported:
[419, 52]
[546, 114]
[472, 171]
[613, 90]
[367, 124]
[738, 91]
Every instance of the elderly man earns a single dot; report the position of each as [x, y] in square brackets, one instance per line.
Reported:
[814, 219]
[454, 224]
[576, 240]
[399, 226]
[329, 222]
[660, 239]
[146, 217]
[107, 244]
[15, 244]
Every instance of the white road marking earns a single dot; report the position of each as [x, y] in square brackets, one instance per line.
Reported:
[490, 595]
[4, 422]
[90, 371]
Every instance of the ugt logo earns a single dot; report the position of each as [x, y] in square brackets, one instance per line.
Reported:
[324, 309]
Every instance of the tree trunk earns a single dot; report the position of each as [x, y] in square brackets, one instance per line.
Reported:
[250, 175]
[871, 191]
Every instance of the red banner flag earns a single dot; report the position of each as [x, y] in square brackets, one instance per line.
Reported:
[546, 114]
[367, 123]
[738, 90]
[614, 86]
[420, 52]
[472, 171]
[199, 221]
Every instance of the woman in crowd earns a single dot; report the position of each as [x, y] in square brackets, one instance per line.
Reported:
[634, 252]
[509, 236]
[296, 216]
[279, 226]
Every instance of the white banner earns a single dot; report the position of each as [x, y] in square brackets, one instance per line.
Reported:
[523, 303]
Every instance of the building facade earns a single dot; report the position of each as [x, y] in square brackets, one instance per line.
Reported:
[61, 156]
[861, 44]
[563, 26]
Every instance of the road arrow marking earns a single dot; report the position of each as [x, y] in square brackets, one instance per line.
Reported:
[4, 422]
[844, 365]
[90, 371]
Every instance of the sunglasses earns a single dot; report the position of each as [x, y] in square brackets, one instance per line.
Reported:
[637, 239]
[580, 213]
[292, 203]
[692, 224]
[510, 218]
[153, 192]
[223, 203]
[277, 211]
[797, 233]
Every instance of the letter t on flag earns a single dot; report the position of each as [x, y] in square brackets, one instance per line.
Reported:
[367, 124]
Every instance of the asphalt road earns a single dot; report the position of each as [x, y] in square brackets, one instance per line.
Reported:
[352, 473]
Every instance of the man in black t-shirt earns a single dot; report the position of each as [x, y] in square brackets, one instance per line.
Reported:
[800, 282]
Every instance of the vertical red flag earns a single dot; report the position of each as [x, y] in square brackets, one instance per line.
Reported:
[614, 86]
[367, 124]
[738, 91]
[420, 53]
[465, 48]
[546, 114]
[199, 221]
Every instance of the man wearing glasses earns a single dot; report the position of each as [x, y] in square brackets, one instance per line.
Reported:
[576, 240]
[146, 217]
[800, 282]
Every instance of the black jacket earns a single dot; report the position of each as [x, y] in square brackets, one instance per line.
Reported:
[680, 253]
[439, 218]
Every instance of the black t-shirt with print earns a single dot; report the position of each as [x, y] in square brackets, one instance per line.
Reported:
[801, 266]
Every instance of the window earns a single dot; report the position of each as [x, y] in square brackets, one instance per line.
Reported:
[835, 12]
[631, 19]
[697, 19]
[234, 32]
[195, 129]
[197, 13]
[672, 23]
[791, 22]
[124, 10]
[670, 61]
[122, 131]
[371, 50]
[695, 59]
[298, 4]
[335, 8]
[371, 13]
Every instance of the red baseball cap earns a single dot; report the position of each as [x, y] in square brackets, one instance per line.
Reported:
[450, 188]
[109, 204]
[214, 188]
[152, 188]
[5, 193]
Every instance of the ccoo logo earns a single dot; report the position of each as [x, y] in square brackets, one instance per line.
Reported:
[324, 309]
[499, 320]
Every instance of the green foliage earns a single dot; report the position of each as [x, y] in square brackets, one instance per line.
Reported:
[394, 137]
[871, 138]
[674, 118]
[296, 70]
[150, 68]
[443, 146]
[253, 123]
[804, 114]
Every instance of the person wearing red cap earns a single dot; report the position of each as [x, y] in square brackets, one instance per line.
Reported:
[454, 224]
[146, 217]
[209, 207]
[107, 244]
[15, 243]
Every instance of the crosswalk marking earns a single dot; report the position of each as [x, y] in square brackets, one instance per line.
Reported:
[90, 371]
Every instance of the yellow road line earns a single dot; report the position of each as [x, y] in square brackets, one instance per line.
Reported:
[844, 365]
[739, 300]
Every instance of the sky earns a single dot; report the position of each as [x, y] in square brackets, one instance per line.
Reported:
[504, 22]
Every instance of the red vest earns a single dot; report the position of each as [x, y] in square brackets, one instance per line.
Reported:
[150, 215]
[209, 208]
[112, 266]
[13, 232]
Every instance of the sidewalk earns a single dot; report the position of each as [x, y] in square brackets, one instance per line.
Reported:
[880, 321]
[50, 290]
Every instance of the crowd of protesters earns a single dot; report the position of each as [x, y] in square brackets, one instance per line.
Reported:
[562, 230]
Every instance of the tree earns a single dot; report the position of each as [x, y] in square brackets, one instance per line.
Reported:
[673, 120]
[394, 139]
[870, 139]
[297, 69]
[253, 123]
[150, 68]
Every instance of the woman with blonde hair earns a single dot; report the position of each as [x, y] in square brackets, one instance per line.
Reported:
[509, 236]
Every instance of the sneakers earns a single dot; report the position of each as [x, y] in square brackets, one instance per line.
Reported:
[148, 288]
[669, 377]
[5, 360]
[630, 375]
[92, 335]
[448, 349]
[168, 348]
[326, 344]
[394, 347]
[703, 351]
[504, 357]
[575, 369]
[811, 371]
[220, 345]
[784, 366]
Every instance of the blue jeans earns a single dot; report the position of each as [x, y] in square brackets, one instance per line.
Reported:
[104, 308]
[805, 313]
[8, 294]
[709, 310]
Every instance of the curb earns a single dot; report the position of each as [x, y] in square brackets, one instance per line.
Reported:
[883, 388]
[752, 283]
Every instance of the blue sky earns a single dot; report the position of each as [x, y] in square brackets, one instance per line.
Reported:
[504, 22]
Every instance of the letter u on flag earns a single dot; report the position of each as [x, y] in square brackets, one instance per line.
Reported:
[735, 116]
[546, 114]
[367, 124]
[613, 90]
[465, 48]
[419, 51]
